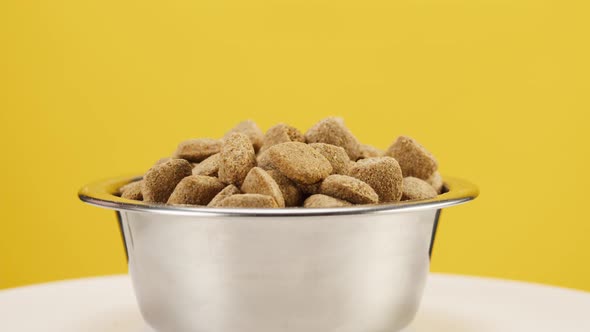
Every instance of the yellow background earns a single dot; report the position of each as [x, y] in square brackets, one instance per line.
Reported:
[496, 89]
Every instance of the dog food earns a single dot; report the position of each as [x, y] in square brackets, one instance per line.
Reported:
[336, 155]
[332, 131]
[159, 182]
[326, 167]
[324, 201]
[413, 158]
[196, 190]
[349, 189]
[223, 194]
[248, 201]
[381, 173]
[299, 162]
[198, 149]
[250, 129]
[281, 133]
[237, 158]
[258, 181]
[415, 188]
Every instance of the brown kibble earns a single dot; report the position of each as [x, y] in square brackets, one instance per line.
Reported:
[196, 190]
[413, 158]
[415, 188]
[383, 174]
[160, 180]
[263, 160]
[132, 191]
[336, 155]
[332, 131]
[209, 166]
[125, 186]
[436, 181]
[223, 194]
[323, 201]
[369, 151]
[258, 181]
[291, 193]
[281, 133]
[250, 129]
[310, 189]
[197, 149]
[349, 189]
[162, 160]
[299, 162]
[237, 158]
[248, 201]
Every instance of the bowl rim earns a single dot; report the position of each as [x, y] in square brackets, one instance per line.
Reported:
[102, 194]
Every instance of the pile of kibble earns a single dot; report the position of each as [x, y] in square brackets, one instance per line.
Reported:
[325, 167]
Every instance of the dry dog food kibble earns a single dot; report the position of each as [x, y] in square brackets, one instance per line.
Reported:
[237, 158]
[248, 201]
[159, 182]
[223, 194]
[323, 201]
[383, 174]
[336, 156]
[325, 168]
[415, 188]
[196, 190]
[258, 181]
[250, 129]
[281, 133]
[209, 166]
[413, 158]
[291, 192]
[368, 151]
[132, 191]
[299, 162]
[348, 189]
[310, 189]
[197, 149]
[332, 131]
[436, 181]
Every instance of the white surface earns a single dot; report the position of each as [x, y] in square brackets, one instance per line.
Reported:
[450, 304]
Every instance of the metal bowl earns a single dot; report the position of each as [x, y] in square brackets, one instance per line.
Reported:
[353, 269]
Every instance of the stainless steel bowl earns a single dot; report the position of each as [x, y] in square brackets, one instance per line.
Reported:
[354, 269]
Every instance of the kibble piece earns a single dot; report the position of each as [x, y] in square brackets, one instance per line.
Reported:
[162, 160]
[248, 201]
[383, 174]
[250, 129]
[299, 162]
[196, 190]
[415, 188]
[223, 194]
[436, 181]
[132, 191]
[209, 166]
[332, 131]
[369, 151]
[197, 149]
[349, 189]
[237, 158]
[310, 189]
[263, 160]
[291, 193]
[336, 155]
[258, 181]
[160, 180]
[323, 201]
[281, 133]
[413, 158]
